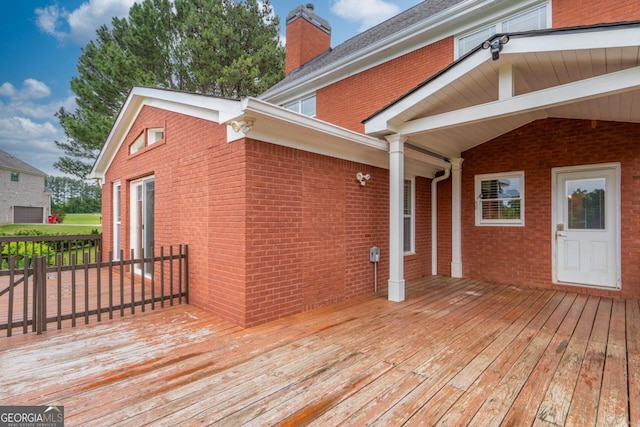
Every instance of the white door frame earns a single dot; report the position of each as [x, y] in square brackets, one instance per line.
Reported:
[616, 168]
[137, 236]
[117, 218]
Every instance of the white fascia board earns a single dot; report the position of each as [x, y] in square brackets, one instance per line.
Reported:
[573, 40]
[194, 105]
[256, 106]
[402, 42]
[595, 87]
[380, 124]
[283, 127]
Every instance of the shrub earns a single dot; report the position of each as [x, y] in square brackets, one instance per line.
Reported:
[24, 252]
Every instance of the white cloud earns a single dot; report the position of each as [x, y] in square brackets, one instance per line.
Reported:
[34, 110]
[31, 89]
[28, 127]
[365, 12]
[32, 142]
[7, 90]
[79, 25]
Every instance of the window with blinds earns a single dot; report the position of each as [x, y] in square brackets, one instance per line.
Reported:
[500, 199]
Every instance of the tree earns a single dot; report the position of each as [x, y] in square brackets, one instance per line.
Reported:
[226, 48]
[73, 195]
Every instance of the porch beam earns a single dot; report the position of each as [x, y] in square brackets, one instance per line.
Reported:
[592, 88]
[396, 282]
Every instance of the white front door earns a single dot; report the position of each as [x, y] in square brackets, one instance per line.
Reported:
[587, 225]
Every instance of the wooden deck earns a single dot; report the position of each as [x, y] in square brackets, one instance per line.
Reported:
[457, 352]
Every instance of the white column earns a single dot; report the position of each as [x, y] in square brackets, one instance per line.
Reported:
[396, 217]
[456, 218]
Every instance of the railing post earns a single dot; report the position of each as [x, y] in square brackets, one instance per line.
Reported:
[186, 273]
[40, 281]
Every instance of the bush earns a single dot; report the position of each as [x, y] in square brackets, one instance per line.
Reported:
[24, 251]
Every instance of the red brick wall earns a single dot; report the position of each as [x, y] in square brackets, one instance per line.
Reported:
[353, 99]
[199, 180]
[522, 255]
[311, 225]
[272, 231]
[569, 13]
[305, 41]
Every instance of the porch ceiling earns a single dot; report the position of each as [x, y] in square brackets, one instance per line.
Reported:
[591, 74]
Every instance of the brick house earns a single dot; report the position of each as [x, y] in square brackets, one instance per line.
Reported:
[481, 139]
[23, 197]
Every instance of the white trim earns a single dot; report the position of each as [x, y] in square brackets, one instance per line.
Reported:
[391, 119]
[591, 88]
[277, 125]
[200, 106]
[477, 181]
[434, 219]
[412, 216]
[456, 217]
[116, 205]
[616, 166]
[382, 123]
[396, 284]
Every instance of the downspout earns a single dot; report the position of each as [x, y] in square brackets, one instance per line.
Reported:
[434, 219]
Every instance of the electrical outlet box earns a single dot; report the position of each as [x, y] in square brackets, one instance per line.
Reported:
[374, 254]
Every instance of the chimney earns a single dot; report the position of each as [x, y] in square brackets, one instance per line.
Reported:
[308, 36]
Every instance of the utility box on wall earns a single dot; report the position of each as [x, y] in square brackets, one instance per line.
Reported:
[374, 254]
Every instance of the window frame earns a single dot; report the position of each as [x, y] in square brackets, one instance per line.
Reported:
[152, 135]
[297, 105]
[503, 222]
[117, 219]
[15, 177]
[409, 249]
[498, 24]
[146, 138]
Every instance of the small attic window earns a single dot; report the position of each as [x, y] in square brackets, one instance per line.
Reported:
[155, 135]
[15, 177]
[147, 138]
[137, 145]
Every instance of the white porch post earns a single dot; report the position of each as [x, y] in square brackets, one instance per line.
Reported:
[456, 218]
[396, 217]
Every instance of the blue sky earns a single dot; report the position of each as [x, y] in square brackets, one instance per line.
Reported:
[41, 43]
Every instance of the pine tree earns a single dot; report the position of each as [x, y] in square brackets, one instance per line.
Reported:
[226, 48]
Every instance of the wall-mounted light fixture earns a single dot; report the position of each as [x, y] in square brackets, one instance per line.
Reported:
[363, 178]
[496, 46]
[245, 125]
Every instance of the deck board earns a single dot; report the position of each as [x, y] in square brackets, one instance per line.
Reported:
[456, 352]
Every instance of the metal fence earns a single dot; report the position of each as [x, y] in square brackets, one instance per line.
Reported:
[42, 291]
[26, 248]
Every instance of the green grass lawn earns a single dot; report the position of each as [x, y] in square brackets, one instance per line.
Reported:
[73, 224]
[84, 219]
